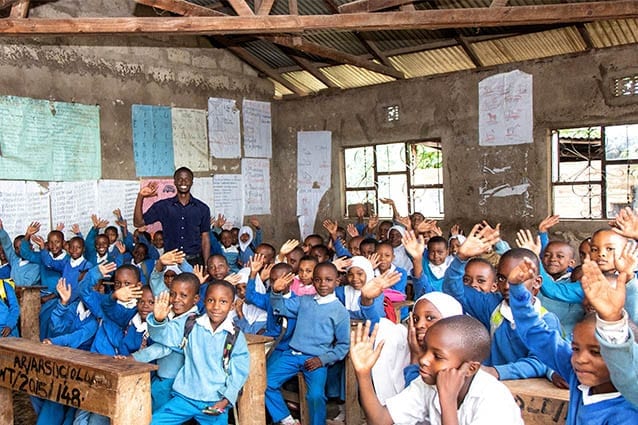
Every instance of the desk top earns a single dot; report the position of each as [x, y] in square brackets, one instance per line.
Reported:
[537, 387]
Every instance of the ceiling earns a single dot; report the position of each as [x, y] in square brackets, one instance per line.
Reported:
[307, 46]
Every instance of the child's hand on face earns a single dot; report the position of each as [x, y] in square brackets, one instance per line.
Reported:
[450, 382]
[626, 261]
[548, 222]
[626, 223]
[363, 354]
[282, 283]
[128, 293]
[161, 308]
[107, 268]
[478, 242]
[172, 257]
[239, 304]
[416, 351]
[524, 239]
[199, 272]
[256, 263]
[414, 245]
[312, 364]
[64, 291]
[608, 300]
[525, 270]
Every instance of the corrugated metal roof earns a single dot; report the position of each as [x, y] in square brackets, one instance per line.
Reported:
[432, 62]
[529, 46]
[304, 80]
[344, 41]
[613, 33]
[269, 53]
[280, 90]
[348, 76]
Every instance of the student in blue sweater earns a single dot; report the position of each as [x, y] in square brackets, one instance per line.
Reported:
[321, 338]
[73, 267]
[593, 399]
[9, 309]
[216, 360]
[23, 272]
[509, 357]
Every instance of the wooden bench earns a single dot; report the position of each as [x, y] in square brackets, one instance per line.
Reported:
[540, 401]
[251, 405]
[101, 384]
[29, 300]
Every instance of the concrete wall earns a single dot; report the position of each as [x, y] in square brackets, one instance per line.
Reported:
[568, 91]
[117, 72]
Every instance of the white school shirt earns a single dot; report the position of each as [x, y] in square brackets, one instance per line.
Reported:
[487, 402]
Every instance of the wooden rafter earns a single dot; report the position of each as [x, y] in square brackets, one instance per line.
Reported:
[374, 49]
[293, 7]
[313, 70]
[6, 3]
[264, 7]
[499, 3]
[273, 24]
[181, 7]
[584, 34]
[241, 7]
[20, 9]
[371, 5]
[467, 48]
[335, 55]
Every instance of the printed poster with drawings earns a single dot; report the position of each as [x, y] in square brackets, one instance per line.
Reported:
[165, 189]
[505, 109]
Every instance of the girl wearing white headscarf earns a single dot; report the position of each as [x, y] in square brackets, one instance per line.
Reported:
[359, 273]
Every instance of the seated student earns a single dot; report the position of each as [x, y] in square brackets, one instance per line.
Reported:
[401, 258]
[136, 334]
[245, 318]
[9, 309]
[436, 263]
[454, 242]
[23, 272]
[310, 241]
[205, 387]
[617, 338]
[302, 283]
[385, 263]
[142, 261]
[593, 399]
[453, 388]
[166, 268]
[248, 242]
[320, 341]
[367, 247]
[509, 357]
[338, 242]
[183, 298]
[72, 267]
[480, 274]
[158, 241]
[383, 229]
[223, 245]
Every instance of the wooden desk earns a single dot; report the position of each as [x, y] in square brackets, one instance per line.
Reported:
[29, 300]
[251, 405]
[118, 389]
[540, 401]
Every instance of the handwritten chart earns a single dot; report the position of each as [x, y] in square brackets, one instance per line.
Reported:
[114, 194]
[257, 129]
[505, 109]
[46, 140]
[314, 166]
[228, 199]
[190, 144]
[152, 140]
[223, 128]
[73, 202]
[21, 203]
[256, 181]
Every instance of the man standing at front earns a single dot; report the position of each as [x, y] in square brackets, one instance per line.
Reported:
[185, 220]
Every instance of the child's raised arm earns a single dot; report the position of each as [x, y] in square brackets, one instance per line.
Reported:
[626, 223]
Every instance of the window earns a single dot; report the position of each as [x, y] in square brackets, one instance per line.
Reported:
[626, 86]
[594, 170]
[410, 173]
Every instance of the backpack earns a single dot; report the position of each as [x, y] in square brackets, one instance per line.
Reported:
[3, 290]
[229, 343]
[388, 308]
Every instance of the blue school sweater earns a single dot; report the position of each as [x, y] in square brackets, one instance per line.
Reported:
[203, 376]
[70, 269]
[134, 337]
[552, 349]
[373, 312]
[231, 255]
[273, 327]
[9, 309]
[323, 329]
[427, 280]
[23, 272]
[5, 271]
[70, 328]
[48, 277]
[508, 353]
[91, 255]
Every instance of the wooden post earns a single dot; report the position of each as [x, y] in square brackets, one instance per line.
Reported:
[540, 401]
[353, 408]
[6, 401]
[251, 404]
[29, 299]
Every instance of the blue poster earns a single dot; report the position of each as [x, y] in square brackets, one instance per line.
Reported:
[153, 141]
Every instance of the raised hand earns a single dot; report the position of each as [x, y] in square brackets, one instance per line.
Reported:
[525, 239]
[607, 299]
[172, 257]
[32, 229]
[120, 247]
[373, 222]
[331, 226]
[128, 293]
[342, 263]
[121, 223]
[426, 226]
[149, 190]
[626, 261]
[288, 246]
[386, 201]
[414, 245]
[75, 229]
[282, 283]
[233, 279]
[161, 308]
[374, 260]
[479, 241]
[548, 222]
[38, 240]
[363, 354]
[375, 287]
[264, 274]
[64, 290]
[626, 223]
[455, 230]
[107, 268]
[525, 270]
[352, 230]
[253, 221]
[59, 227]
[199, 272]
[256, 263]
[118, 214]
[405, 221]
[99, 223]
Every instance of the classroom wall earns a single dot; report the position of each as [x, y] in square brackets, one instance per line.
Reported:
[568, 91]
[117, 72]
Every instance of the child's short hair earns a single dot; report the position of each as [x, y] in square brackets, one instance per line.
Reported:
[269, 247]
[129, 267]
[308, 258]
[380, 244]
[368, 241]
[77, 239]
[57, 232]
[111, 229]
[482, 261]
[297, 250]
[315, 236]
[572, 251]
[472, 334]
[221, 257]
[437, 239]
[321, 249]
[327, 264]
[218, 282]
[283, 267]
[522, 253]
[190, 279]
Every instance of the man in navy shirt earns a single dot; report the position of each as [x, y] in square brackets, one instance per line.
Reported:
[185, 220]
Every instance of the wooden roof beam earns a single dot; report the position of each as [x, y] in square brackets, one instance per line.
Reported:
[359, 6]
[273, 24]
[6, 3]
[310, 67]
[20, 9]
[241, 7]
[264, 7]
[335, 55]
[181, 7]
